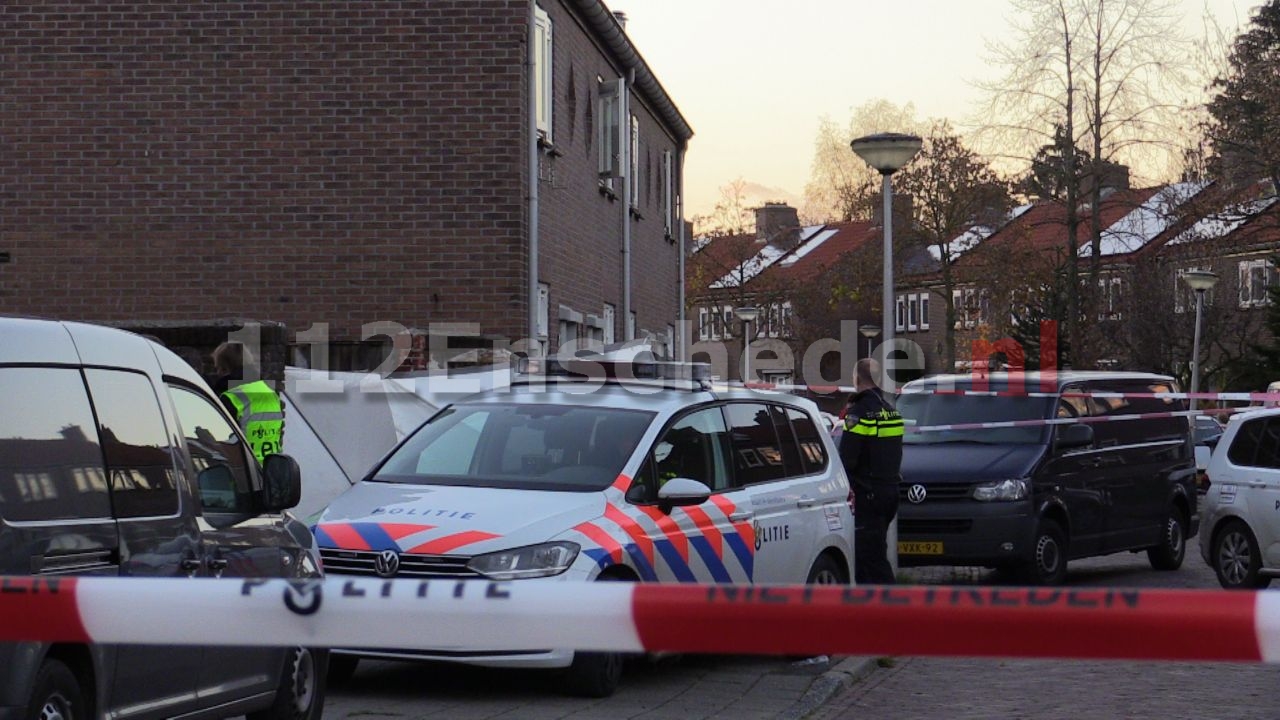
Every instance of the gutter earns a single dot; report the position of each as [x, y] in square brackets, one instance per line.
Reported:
[532, 197]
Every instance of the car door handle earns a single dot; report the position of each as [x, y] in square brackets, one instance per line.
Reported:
[805, 502]
[1257, 484]
[217, 564]
[190, 565]
[741, 516]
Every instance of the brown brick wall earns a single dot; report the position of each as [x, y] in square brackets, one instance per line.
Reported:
[298, 162]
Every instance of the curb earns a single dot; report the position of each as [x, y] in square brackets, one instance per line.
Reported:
[829, 684]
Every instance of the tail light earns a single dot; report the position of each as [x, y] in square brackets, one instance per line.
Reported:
[852, 503]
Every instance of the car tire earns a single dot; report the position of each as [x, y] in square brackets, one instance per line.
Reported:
[1168, 555]
[341, 669]
[1048, 563]
[826, 571]
[300, 693]
[1237, 559]
[56, 694]
[595, 674]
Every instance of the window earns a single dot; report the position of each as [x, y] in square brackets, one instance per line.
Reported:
[222, 471]
[1244, 450]
[532, 447]
[1129, 432]
[924, 311]
[704, 324]
[786, 319]
[668, 193]
[608, 324]
[787, 442]
[728, 321]
[544, 309]
[1255, 277]
[1184, 298]
[757, 455]
[609, 130]
[812, 451]
[135, 443]
[694, 448]
[633, 157]
[972, 307]
[631, 326]
[50, 461]
[1110, 297]
[913, 313]
[900, 319]
[542, 71]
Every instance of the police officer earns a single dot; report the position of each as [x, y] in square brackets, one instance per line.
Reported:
[871, 451]
[256, 407]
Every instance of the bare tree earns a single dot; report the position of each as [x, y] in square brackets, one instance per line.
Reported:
[842, 187]
[958, 200]
[730, 216]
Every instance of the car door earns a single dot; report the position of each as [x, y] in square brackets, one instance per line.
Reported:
[709, 542]
[156, 538]
[237, 542]
[1262, 483]
[1078, 477]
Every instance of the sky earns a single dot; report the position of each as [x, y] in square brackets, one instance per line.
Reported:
[754, 77]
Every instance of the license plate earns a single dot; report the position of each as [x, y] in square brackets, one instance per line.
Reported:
[919, 548]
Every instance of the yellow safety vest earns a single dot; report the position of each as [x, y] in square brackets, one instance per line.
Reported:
[261, 417]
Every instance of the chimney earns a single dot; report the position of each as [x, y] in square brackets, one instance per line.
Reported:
[778, 224]
[1111, 175]
[621, 17]
[903, 208]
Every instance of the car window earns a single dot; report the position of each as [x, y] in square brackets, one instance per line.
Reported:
[791, 461]
[1244, 449]
[531, 446]
[141, 471]
[1269, 445]
[931, 409]
[221, 463]
[757, 456]
[50, 460]
[694, 447]
[812, 452]
[1133, 432]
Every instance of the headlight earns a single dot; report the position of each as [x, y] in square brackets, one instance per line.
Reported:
[527, 562]
[1001, 490]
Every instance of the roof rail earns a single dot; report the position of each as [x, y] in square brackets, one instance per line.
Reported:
[669, 373]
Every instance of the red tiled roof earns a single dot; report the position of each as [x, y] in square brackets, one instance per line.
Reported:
[823, 247]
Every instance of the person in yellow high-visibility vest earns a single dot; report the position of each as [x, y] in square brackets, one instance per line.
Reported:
[254, 404]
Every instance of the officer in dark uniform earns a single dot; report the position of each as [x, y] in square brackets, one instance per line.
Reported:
[871, 451]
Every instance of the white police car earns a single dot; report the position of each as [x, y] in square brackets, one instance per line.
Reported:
[588, 477]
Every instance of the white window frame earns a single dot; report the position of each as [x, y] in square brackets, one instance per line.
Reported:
[668, 201]
[608, 123]
[543, 76]
[544, 310]
[900, 313]
[634, 164]
[1251, 295]
[913, 312]
[787, 314]
[924, 311]
[608, 319]
[1183, 296]
[631, 326]
[704, 329]
[1110, 289]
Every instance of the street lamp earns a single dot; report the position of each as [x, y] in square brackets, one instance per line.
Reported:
[1201, 281]
[746, 315]
[887, 153]
[868, 332]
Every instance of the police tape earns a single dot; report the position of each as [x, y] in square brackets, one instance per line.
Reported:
[1041, 422]
[478, 616]
[1214, 396]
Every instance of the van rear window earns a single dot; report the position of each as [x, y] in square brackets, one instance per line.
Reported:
[921, 410]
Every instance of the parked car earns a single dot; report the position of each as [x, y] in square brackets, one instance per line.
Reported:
[1029, 498]
[1242, 506]
[1205, 434]
[551, 481]
[117, 460]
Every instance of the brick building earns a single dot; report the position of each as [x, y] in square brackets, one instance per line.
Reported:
[343, 164]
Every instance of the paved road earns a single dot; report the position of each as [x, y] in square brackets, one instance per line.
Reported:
[1044, 690]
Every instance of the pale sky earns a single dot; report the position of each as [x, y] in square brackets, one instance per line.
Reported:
[754, 77]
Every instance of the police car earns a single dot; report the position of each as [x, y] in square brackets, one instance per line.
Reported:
[592, 471]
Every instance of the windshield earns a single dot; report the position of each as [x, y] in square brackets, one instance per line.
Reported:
[536, 447]
[928, 409]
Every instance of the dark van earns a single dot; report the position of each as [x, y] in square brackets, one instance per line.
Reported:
[117, 460]
[1027, 498]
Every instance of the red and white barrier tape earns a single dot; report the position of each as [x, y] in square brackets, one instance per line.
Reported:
[624, 617]
[1218, 396]
[1039, 422]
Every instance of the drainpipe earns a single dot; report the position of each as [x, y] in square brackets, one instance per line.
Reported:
[532, 197]
[677, 216]
[624, 105]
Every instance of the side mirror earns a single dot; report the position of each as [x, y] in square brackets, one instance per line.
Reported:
[1212, 442]
[217, 486]
[682, 492]
[1202, 456]
[281, 483]
[1075, 436]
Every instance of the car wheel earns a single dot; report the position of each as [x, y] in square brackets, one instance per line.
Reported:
[1172, 549]
[826, 571]
[1236, 558]
[300, 693]
[341, 669]
[595, 674]
[56, 694]
[1048, 564]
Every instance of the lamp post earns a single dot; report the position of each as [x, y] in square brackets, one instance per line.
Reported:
[868, 332]
[1201, 281]
[746, 314]
[887, 153]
